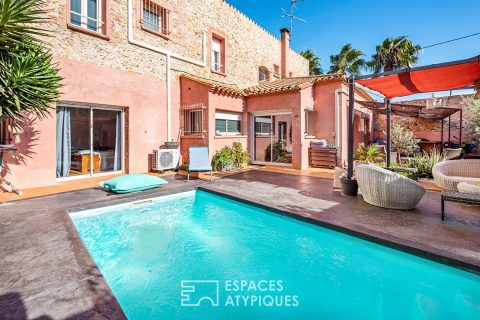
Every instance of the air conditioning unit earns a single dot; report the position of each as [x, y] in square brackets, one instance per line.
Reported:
[165, 159]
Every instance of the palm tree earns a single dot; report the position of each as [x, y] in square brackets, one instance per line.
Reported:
[313, 62]
[29, 81]
[394, 53]
[349, 61]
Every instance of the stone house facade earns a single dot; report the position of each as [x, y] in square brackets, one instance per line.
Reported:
[138, 73]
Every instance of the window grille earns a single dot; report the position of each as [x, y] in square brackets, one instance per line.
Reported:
[155, 17]
[192, 120]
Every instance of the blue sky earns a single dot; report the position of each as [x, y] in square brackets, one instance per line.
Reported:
[332, 23]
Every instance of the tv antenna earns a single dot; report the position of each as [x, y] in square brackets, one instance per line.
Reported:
[293, 6]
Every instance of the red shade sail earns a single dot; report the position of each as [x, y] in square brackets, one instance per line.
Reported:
[435, 78]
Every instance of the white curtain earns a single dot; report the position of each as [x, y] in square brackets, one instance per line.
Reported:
[64, 142]
[117, 164]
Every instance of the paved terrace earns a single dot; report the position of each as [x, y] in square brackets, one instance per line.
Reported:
[47, 273]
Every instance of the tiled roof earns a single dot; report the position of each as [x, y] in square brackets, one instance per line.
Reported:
[291, 84]
[217, 87]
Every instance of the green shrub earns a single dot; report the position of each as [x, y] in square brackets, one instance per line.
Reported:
[403, 141]
[368, 154]
[240, 156]
[279, 152]
[229, 158]
[425, 162]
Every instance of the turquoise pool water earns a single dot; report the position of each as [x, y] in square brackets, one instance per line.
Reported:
[256, 264]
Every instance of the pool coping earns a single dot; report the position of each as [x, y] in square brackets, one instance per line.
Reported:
[420, 250]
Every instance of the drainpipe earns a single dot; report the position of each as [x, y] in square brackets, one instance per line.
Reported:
[338, 92]
[169, 97]
[168, 56]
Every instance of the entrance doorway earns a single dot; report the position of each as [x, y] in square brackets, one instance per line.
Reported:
[272, 138]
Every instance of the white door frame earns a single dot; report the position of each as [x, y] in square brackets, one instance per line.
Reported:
[92, 174]
[275, 112]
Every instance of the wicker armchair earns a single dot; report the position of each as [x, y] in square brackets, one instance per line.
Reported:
[448, 174]
[386, 189]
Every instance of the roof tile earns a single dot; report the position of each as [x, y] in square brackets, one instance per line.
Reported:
[291, 84]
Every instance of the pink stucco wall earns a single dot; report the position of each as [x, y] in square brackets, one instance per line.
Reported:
[326, 95]
[143, 98]
[221, 103]
[294, 102]
[193, 92]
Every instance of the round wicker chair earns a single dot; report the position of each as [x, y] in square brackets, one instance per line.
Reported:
[448, 174]
[386, 189]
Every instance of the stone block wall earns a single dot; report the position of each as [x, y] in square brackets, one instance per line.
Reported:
[423, 128]
[249, 46]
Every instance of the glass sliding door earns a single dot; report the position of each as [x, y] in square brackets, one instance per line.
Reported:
[263, 138]
[273, 138]
[107, 140]
[88, 140]
[282, 140]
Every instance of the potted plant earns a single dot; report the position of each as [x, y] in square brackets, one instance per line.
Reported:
[368, 154]
[403, 142]
[349, 186]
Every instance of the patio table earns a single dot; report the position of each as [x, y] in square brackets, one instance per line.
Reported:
[460, 197]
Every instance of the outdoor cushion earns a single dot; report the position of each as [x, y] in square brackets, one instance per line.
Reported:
[132, 182]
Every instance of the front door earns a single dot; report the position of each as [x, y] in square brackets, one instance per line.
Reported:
[271, 143]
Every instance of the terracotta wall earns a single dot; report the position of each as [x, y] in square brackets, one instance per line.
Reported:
[191, 93]
[221, 103]
[294, 102]
[197, 93]
[326, 94]
[143, 98]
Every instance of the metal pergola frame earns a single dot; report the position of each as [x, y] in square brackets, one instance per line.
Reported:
[351, 105]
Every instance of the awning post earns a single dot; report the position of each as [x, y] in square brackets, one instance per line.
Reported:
[441, 138]
[351, 112]
[449, 131]
[461, 126]
[389, 138]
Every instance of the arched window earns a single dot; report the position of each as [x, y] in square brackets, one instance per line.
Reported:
[263, 74]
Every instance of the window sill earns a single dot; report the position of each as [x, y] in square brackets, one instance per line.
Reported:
[229, 137]
[161, 35]
[192, 136]
[310, 137]
[88, 32]
[218, 72]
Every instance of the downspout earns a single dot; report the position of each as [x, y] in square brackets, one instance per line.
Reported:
[337, 114]
[168, 56]
[169, 97]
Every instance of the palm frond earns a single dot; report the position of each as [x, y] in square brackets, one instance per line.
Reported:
[20, 21]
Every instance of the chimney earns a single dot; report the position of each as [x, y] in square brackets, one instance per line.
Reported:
[285, 44]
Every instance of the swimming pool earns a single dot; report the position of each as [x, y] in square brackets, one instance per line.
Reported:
[197, 255]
